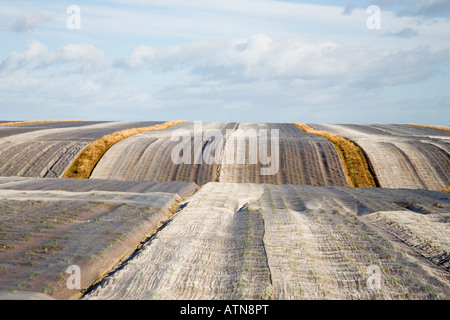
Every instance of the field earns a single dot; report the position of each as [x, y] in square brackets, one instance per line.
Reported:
[304, 158]
[356, 166]
[259, 241]
[402, 156]
[147, 156]
[47, 149]
[47, 225]
[217, 227]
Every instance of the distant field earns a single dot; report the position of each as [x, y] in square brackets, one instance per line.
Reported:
[402, 156]
[304, 158]
[15, 123]
[6, 131]
[433, 127]
[87, 160]
[147, 156]
[47, 153]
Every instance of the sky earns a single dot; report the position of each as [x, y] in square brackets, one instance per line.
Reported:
[235, 60]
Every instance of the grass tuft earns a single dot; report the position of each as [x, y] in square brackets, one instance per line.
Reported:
[86, 161]
[354, 161]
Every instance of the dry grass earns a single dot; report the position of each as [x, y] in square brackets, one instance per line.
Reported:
[32, 122]
[85, 163]
[355, 164]
[425, 126]
[446, 189]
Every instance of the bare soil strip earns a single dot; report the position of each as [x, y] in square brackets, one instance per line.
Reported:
[43, 232]
[263, 241]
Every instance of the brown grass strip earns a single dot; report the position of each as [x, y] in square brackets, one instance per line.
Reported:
[446, 189]
[425, 126]
[356, 166]
[33, 122]
[86, 161]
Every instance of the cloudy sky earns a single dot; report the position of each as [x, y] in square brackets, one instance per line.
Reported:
[226, 60]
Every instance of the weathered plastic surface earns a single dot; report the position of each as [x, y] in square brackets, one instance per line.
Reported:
[264, 241]
[48, 149]
[51, 224]
[303, 158]
[402, 156]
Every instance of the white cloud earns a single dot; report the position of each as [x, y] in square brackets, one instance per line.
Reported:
[138, 57]
[28, 20]
[84, 57]
[199, 60]
[260, 57]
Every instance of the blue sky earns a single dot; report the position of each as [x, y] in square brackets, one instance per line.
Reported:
[235, 60]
